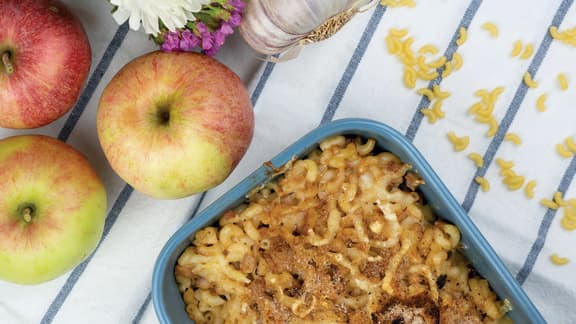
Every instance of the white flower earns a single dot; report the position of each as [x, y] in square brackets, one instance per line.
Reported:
[173, 13]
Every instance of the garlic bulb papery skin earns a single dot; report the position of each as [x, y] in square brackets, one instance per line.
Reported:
[274, 26]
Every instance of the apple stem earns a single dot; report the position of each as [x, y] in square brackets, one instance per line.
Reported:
[27, 214]
[7, 64]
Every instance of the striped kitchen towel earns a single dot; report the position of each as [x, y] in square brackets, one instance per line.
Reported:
[353, 74]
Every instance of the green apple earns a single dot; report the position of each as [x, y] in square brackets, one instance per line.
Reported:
[174, 124]
[52, 208]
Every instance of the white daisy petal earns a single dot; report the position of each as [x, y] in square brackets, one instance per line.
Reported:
[150, 24]
[134, 21]
[173, 13]
[121, 16]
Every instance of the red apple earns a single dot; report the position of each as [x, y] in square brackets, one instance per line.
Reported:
[52, 208]
[174, 124]
[44, 60]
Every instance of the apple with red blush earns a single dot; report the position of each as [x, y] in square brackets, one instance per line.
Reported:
[44, 61]
[52, 208]
[174, 124]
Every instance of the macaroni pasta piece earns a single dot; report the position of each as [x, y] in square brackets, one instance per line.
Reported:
[568, 224]
[483, 182]
[567, 37]
[529, 189]
[513, 138]
[457, 61]
[341, 236]
[558, 260]
[438, 63]
[463, 36]
[448, 68]
[459, 143]
[398, 3]
[559, 200]
[548, 203]
[527, 53]
[510, 179]
[428, 49]
[437, 109]
[393, 45]
[493, 127]
[477, 159]
[570, 144]
[409, 77]
[541, 102]
[529, 81]
[426, 92]
[563, 81]
[439, 93]
[517, 48]
[483, 109]
[503, 164]
[563, 151]
[491, 28]
[429, 113]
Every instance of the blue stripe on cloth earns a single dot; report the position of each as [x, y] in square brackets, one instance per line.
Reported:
[254, 98]
[93, 82]
[77, 272]
[514, 106]
[538, 244]
[262, 82]
[452, 48]
[142, 309]
[353, 64]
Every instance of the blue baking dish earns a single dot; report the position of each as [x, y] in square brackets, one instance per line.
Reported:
[168, 302]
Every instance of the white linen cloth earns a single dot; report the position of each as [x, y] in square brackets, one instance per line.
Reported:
[349, 75]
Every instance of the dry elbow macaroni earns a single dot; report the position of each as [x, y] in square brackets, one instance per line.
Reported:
[529, 189]
[548, 203]
[513, 138]
[341, 237]
[398, 3]
[530, 83]
[558, 260]
[528, 51]
[483, 110]
[457, 61]
[541, 103]
[477, 159]
[510, 179]
[491, 28]
[517, 49]
[567, 149]
[567, 36]
[463, 36]
[483, 182]
[568, 221]
[459, 143]
[562, 82]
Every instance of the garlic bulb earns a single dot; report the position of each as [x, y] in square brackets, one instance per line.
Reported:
[276, 26]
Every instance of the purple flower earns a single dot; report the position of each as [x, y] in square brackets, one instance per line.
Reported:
[201, 27]
[212, 51]
[189, 41]
[235, 19]
[171, 42]
[206, 36]
[226, 29]
[219, 37]
[207, 41]
[237, 4]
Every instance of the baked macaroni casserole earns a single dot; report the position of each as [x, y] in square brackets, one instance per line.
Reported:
[342, 236]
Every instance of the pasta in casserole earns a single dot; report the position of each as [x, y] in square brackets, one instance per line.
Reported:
[342, 236]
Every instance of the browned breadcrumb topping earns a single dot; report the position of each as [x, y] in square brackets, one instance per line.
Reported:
[342, 237]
